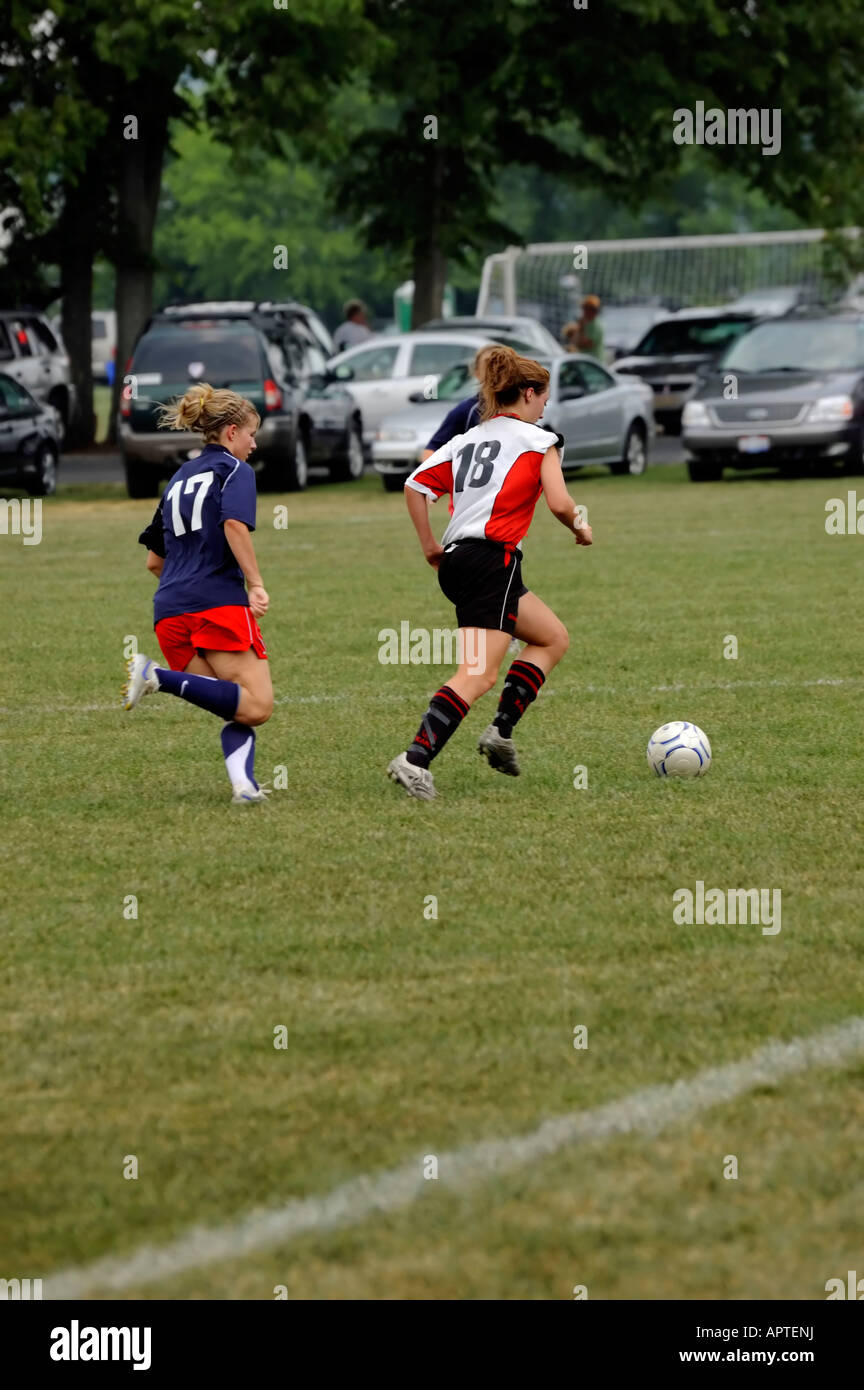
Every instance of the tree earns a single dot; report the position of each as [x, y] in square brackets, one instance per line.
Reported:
[123, 79]
[200, 256]
[590, 94]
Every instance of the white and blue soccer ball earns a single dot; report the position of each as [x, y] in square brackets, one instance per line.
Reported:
[679, 749]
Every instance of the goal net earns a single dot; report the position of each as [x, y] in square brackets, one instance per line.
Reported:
[547, 280]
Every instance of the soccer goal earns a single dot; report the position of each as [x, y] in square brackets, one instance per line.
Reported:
[547, 280]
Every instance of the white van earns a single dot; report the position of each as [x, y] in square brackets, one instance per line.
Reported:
[104, 342]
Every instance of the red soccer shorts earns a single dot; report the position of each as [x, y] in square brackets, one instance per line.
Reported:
[230, 628]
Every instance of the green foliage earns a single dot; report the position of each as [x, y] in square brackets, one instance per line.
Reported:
[219, 225]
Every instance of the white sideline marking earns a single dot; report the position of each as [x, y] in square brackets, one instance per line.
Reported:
[391, 698]
[644, 1112]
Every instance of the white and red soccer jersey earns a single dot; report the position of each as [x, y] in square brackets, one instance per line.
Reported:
[493, 474]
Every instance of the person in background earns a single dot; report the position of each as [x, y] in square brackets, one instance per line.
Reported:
[586, 333]
[354, 329]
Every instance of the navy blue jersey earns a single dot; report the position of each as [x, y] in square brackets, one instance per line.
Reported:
[464, 415]
[200, 570]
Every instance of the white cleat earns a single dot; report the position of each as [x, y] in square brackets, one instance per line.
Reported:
[514, 649]
[142, 680]
[246, 794]
[417, 781]
[500, 752]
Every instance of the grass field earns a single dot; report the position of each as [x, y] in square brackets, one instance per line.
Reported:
[409, 1037]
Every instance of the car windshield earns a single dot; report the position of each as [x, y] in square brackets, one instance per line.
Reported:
[691, 336]
[822, 345]
[218, 355]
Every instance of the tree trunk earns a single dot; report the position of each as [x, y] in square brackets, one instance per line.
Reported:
[77, 249]
[139, 185]
[430, 265]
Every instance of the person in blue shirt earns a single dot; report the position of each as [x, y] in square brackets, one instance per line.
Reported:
[210, 593]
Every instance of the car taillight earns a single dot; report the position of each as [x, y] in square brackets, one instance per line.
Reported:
[272, 395]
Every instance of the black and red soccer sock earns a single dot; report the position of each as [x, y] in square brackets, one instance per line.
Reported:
[521, 686]
[443, 717]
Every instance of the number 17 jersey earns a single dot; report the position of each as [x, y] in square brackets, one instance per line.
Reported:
[200, 570]
[493, 474]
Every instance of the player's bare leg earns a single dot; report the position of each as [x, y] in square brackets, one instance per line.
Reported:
[252, 674]
[546, 636]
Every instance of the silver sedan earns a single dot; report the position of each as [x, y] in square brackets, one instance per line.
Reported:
[603, 418]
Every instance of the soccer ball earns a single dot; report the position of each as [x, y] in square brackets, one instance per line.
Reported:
[679, 749]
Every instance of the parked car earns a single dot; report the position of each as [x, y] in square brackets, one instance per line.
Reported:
[269, 353]
[383, 372]
[271, 315]
[774, 300]
[602, 419]
[625, 325]
[789, 393]
[103, 331]
[34, 356]
[527, 335]
[298, 345]
[669, 356]
[29, 439]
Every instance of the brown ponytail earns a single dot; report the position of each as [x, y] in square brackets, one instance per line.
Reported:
[207, 412]
[505, 376]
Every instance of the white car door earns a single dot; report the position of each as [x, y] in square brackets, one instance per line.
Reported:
[572, 414]
[604, 410]
[372, 384]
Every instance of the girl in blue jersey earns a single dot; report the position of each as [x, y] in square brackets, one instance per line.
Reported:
[210, 592]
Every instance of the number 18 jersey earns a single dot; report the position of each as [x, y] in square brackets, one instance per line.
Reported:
[493, 473]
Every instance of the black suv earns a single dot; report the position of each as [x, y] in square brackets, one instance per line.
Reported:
[271, 358]
[788, 394]
[675, 349]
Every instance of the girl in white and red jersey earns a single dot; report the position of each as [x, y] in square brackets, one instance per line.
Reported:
[496, 473]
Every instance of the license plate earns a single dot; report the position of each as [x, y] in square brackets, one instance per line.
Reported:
[754, 444]
[664, 399]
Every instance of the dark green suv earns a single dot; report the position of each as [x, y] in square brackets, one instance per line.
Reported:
[305, 417]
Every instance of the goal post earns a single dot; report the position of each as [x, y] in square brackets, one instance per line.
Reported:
[546, 280]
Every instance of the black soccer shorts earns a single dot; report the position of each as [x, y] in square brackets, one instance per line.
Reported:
[483, 578]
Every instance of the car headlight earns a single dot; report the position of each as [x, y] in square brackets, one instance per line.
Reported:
[831, 408]
[393, 435]
[695, 414]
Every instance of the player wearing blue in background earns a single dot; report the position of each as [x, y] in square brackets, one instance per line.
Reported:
[210, 593]
[463, 416]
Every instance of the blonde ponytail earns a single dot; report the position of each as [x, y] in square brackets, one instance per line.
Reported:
[207, 411]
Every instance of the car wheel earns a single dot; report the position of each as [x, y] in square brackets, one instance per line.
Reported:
[297, 474]
[635, 459]
[350, 465]
[141, 480]
[44, 484]
[394, 482]
[702, 472]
